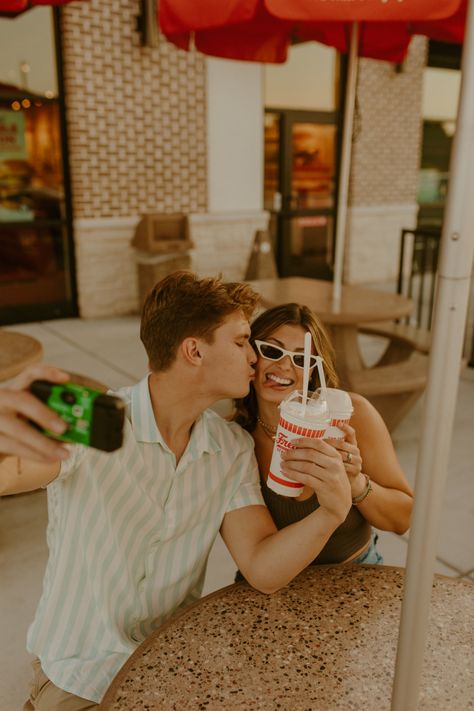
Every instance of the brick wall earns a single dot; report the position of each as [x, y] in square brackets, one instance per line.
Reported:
[387, 142]
[136, 116]
[385, 162]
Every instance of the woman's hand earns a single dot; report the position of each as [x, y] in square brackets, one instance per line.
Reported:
[351, 458]
[18, 406]
[317, 464]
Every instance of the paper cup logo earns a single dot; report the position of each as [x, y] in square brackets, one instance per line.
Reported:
[295, 422]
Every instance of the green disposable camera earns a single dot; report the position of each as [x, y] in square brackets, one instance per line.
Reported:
[93, 419]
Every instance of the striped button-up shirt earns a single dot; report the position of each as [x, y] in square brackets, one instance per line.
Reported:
[129, 534]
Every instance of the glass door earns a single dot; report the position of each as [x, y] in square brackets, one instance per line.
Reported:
[36, 275]
[300, 189]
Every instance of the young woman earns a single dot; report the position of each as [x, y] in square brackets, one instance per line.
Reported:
[381, 496]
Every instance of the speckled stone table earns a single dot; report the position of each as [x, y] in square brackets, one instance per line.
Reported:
[327, 641]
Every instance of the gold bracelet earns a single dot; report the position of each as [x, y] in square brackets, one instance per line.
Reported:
[365, 493]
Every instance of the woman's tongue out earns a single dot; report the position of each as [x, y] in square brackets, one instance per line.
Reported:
[277, 382]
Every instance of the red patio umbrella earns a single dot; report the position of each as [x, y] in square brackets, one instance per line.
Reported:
[262, 30]
[12, 8]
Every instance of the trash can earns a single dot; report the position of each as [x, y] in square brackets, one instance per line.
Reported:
[162, 246]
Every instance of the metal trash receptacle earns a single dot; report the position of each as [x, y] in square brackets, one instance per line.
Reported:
[162, 246]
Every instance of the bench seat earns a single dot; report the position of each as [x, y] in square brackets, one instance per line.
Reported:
[409, 374]
[401, 335]
[393, 389]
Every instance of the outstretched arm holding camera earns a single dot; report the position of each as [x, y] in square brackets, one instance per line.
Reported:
[28, 459]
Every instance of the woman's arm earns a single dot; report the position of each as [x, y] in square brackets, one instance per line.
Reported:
[389, 504]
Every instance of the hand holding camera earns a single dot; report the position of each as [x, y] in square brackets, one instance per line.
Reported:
[25, 418]
[19, 408]
[93, 419]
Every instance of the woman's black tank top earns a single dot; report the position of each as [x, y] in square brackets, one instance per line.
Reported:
[346, 540]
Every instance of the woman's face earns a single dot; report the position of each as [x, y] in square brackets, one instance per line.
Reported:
[275, 380]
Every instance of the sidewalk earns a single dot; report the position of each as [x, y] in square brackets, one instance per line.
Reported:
[109, 350]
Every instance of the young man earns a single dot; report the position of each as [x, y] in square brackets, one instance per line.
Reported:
[130, 532]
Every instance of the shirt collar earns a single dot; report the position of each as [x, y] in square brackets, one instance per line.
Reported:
[146, 430]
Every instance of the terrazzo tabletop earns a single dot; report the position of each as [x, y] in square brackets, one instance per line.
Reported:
[327, 641]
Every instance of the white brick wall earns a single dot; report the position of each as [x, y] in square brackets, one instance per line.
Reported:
[223, 242]
[106, 268]
[106, 273]
[373, 242]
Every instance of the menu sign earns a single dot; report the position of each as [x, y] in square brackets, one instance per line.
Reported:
[12, 135]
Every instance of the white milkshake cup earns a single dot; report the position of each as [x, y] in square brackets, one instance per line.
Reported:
[296, 420]
[340, 410]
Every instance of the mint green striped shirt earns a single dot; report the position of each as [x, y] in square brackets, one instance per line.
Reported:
[129, 535]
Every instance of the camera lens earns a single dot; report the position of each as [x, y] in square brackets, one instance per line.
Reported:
[68, 397]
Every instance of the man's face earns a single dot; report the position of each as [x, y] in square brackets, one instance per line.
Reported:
[229, 359]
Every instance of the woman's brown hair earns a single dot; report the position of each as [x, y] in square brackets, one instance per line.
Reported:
[246, 408]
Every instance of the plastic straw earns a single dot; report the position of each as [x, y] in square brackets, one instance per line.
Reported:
[322, 377]
[307, 352]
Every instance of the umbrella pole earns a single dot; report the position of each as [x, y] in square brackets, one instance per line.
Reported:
[345, 166]
[457, 248]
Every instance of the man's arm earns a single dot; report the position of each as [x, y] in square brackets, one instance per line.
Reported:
[268, 558]
[20, 475]
[36, 459]
[18, 405]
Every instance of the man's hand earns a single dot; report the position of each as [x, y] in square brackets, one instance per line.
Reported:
[18, 405]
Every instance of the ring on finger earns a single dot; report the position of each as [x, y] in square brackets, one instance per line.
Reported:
[348, 458]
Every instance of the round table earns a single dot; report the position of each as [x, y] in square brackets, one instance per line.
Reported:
[326, 641]
[17, 350]
[357, 305]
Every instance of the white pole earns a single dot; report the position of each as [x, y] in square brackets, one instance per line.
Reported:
[457, 248]
[345, 166]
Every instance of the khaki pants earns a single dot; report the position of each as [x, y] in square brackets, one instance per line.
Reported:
[45, 696]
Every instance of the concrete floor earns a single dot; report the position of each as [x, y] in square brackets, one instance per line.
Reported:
[110, 351]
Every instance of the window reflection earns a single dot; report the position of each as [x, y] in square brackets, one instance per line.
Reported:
[272, 157]
[31, 182]
[313, 165]
[35, 276]
[27, 53]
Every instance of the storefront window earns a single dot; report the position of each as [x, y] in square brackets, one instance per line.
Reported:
[441, 85]
[35, 280]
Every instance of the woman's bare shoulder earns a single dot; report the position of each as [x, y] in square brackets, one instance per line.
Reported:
[365, 414]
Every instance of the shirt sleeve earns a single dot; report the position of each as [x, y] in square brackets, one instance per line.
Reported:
[72, 463]
[247, 492]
